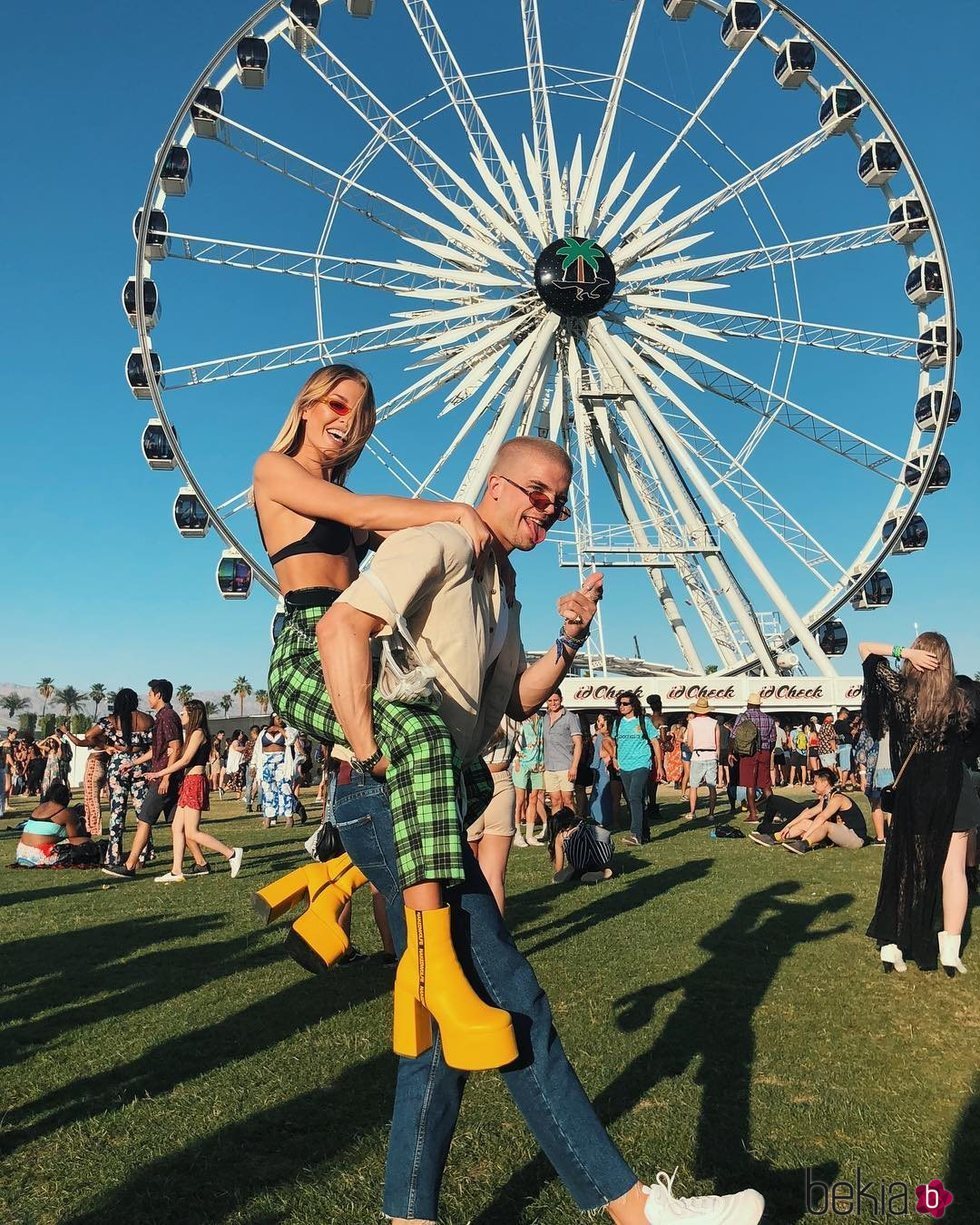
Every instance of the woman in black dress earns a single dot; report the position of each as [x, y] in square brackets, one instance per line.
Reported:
[923, 878]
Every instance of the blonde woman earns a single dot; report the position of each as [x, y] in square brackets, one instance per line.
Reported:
[923, 877]
[316, 532]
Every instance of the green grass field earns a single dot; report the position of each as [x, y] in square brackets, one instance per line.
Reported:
[164, 1063]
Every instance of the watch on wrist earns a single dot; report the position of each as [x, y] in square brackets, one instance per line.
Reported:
[368, 764]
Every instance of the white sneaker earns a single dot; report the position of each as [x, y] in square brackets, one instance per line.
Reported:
[170, 878]
[235, 863]
[742, 1208]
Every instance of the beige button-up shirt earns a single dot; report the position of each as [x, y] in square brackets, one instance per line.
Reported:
[428, 572]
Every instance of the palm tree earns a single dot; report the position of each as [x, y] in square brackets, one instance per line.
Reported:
[70, 700]
[241, 689]
[211, 707]
[262, 698]
[579, 252]
[12, 703]
[45, 688]
[184, 694]
[226, 703]
[97, 694]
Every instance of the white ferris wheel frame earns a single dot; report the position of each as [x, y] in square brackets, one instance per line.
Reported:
[684, 468]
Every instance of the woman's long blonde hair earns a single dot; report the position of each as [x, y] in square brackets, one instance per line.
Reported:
[316, 388]
[940, 703]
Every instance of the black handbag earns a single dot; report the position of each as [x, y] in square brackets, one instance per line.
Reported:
[328, 844]
[886, 799]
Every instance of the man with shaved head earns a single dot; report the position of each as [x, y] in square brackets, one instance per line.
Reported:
[468, 632]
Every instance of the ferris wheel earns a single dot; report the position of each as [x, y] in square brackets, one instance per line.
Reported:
[683, 239]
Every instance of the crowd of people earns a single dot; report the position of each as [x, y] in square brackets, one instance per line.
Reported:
[442, 748]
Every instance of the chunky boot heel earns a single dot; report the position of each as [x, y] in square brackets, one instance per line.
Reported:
[892, 959]
[412, 1028]
[475, 1036]
[949, 954]
[317, 941]
[302, 884]
[282, 895]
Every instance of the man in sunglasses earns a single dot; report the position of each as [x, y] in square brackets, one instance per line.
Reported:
[468, 632]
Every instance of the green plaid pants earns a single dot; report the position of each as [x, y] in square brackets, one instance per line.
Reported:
[424, 770]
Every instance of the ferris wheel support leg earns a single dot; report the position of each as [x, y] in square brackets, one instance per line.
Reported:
[726, 519]
[660, 585]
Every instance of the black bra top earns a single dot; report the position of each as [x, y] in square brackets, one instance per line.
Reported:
[325, 536]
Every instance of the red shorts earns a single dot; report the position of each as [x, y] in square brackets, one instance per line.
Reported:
[754, 772]
[194, 793]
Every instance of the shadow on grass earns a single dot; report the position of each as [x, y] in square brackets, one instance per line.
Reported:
[196, 1052]
[213, 1178]
[109, 971]
[963, 1164]
[612, 903]
[711, 1024]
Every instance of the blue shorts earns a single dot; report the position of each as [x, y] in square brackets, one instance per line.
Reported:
[524, 778]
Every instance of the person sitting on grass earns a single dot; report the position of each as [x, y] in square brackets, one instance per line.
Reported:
[834, 818]
[579, 849]
[52, 833]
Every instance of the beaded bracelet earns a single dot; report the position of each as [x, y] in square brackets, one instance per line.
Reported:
[573, 644]
[897, 652]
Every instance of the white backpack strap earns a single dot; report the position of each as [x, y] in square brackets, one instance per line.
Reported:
[400, 623]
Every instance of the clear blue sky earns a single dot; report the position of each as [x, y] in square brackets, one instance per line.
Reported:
[96, 583]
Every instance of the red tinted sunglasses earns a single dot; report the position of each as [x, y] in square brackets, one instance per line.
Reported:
[541, 501]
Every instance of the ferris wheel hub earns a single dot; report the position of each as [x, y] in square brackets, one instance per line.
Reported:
[574, 277]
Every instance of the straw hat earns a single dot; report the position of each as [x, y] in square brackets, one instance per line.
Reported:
[754, 699]
[702, 706]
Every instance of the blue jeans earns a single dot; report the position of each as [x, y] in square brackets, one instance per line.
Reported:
[635, 786]
[428, 1094]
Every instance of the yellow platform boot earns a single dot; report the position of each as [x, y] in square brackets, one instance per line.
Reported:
[300, 885]
[317, 940]
[430, 983]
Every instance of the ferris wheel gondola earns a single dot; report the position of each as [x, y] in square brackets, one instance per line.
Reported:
[157, 450]
[912, 539]
[233, 575]
[483, 232]
[151, 302]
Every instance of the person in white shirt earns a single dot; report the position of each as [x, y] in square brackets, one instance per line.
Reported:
[703, 739]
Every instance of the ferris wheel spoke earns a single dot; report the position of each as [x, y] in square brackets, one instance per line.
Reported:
[550, 199]
[682, 478]
[766, 257]
[388, 275]
[518, 364]
[391, 463]
[282, 357]
[695, 116]
[467, 360]
[585, 211]
[477, 216]
[747, 325]
[731, 471]
[309, 173]
[487, 151]
[626, 360]
[778, 410]
[539, 343]
[647, 240]
[712, 375]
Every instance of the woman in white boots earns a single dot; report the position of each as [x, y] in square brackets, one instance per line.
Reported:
[928, 715]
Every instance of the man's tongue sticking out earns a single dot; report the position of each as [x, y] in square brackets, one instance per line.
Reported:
[537, 531]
